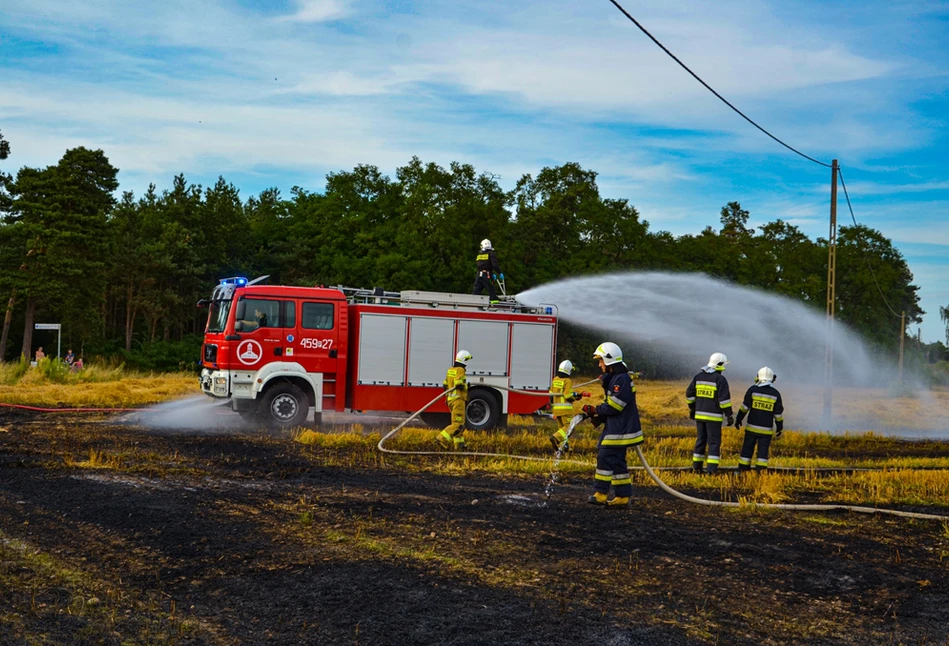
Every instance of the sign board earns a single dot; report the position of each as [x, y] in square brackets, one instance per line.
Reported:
[48, 326]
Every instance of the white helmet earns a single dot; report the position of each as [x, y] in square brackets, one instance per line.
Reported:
[485, 244]
[462, 357]
[609, 352]
[718, 361]
[565, 367]
[765, 374]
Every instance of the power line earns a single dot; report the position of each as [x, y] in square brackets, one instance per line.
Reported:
[711, 89]
[869, 266]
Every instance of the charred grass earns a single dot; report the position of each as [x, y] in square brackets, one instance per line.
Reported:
[115, 534]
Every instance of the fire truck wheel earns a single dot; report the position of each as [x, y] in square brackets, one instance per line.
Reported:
[284, 406]
[483, 410]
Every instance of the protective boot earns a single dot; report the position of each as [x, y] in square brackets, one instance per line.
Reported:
[618, 501]
[698, 466]
[743, 468]
[760, 469]
[711, 469]
[598, 499]
[460, 443]
[557, 439]
[444, 441]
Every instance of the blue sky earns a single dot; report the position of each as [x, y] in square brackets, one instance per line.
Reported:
[278, 93]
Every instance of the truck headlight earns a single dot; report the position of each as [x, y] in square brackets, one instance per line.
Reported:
[220, 380]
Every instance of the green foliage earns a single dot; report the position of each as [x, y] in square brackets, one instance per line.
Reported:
[123, 276]
[11, 373]
[53, 370]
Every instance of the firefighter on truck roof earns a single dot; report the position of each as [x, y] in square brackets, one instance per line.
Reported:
[765, 412]
[710, 402]
[452, 437]
[621, 430]
[488, 271]
[561, 401]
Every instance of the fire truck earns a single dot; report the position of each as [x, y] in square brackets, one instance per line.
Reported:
[275, 352]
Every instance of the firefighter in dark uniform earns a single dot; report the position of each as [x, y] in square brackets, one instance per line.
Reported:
[765, 412]
[488, 270]
[562, 397]
[621, 429]
[452, 437]
[710, 403]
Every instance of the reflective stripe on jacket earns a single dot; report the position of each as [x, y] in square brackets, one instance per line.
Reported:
[487, 260]
[456, 377]
[622, 428]
[764, 407]
[561, 400]
[710, 396]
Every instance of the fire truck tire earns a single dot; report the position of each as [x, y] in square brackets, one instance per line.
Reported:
[283, 406]
[436, 420]
[483, 410]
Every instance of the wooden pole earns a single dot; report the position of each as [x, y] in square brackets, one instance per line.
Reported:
[831, 299]
[902, 339]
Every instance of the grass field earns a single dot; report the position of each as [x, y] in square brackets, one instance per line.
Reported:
[52, 385]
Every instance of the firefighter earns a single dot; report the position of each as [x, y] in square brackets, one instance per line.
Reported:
[765, 412]
[621, 430]
[488, 271]
[457, 386]
[561, 400]
[709, 404]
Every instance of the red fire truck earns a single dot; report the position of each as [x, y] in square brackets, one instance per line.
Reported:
[277, 351]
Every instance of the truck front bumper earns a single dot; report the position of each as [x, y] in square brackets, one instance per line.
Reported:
[215, 383]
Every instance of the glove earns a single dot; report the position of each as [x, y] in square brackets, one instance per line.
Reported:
[738, 424]
[730, 421]
[692, 411]
[589, 410]
[596, 420]
[778, 434]
[585, 394]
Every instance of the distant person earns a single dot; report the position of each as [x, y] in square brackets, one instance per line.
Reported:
[70, 357]
[710, 404]
[452, 436]
[622, 428]
[40, 354]
[77, 365]
[765, 412]
[260, 318]
[561, 401]
[488, 271]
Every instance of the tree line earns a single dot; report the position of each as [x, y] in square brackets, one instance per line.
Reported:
[122, 272]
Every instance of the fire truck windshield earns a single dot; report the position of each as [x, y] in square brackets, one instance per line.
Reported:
[217, 318]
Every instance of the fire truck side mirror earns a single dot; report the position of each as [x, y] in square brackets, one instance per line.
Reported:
[203, 303]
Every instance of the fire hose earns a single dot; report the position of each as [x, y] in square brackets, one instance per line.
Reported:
[649, 470]
[68, 410]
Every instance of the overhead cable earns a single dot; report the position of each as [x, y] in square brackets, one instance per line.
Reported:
[711, 89]
[843, 184]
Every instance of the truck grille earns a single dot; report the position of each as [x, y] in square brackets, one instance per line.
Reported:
[210, 353]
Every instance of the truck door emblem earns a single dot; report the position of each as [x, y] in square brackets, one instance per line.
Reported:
[249, 352]
[289, 338]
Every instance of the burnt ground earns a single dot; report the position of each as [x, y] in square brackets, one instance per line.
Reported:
[115, 534]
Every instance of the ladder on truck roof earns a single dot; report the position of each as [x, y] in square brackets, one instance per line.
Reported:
[448, 300]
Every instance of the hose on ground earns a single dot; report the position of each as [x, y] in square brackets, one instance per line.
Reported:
[40, 409]
[785, 506]
[652, 474]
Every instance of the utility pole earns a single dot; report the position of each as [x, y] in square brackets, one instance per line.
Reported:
[902, 338]
[831, 299]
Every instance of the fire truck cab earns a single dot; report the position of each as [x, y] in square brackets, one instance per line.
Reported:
[276, 351]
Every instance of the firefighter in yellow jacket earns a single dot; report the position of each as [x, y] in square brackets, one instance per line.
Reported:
[457, 386]
[562, 397]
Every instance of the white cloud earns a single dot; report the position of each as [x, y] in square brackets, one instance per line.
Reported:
[318, 11]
